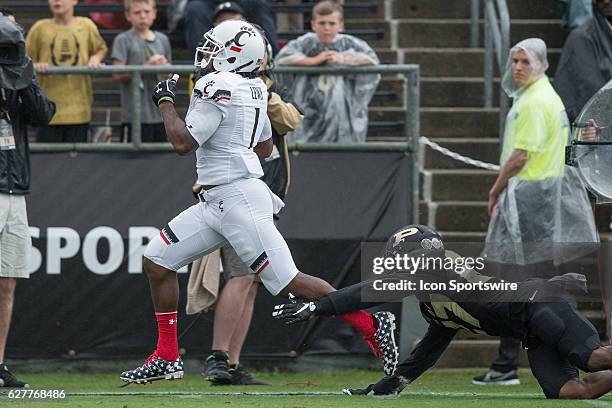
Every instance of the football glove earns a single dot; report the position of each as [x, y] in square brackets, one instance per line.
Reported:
[388, 386]
[293, 313]
[165, 91]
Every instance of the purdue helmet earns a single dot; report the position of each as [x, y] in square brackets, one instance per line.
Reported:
[415, 240]
[232, 46]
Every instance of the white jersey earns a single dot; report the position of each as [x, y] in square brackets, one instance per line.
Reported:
[227, 116]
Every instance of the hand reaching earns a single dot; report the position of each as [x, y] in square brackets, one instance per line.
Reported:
[295, 312]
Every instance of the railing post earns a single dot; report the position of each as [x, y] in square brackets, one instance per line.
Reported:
[413, 325]
[488, 58]
[136, 82]
[503, 112]
[413, 132]
[607, 273]
[474, 23]
[504, 18]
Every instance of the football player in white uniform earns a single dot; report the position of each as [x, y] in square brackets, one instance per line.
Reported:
[228, 127]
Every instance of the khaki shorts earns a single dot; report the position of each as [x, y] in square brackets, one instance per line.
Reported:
[15, 241]
[233, 266]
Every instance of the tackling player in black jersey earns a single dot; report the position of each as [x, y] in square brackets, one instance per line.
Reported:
[541, 313]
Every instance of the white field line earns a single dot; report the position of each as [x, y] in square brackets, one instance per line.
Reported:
[409, 394]
[195, 394]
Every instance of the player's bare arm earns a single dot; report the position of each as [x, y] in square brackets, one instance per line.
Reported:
[182, 142]
[163, 96]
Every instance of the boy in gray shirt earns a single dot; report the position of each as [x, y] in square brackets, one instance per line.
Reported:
[141, 46]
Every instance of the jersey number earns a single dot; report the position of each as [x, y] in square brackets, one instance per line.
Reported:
[255, 126]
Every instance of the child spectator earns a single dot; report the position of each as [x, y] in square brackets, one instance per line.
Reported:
[141, 46]
[335, 107]
[66, 40]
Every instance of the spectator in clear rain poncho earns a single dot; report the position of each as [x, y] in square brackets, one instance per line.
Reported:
[540, 213]
[335, 107]
[536, 198]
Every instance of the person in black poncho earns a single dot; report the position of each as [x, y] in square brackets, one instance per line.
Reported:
[586, 60]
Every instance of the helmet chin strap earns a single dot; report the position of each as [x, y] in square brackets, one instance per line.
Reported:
[241, 67]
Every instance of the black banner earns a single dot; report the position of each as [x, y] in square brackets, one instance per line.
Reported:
[91, 215]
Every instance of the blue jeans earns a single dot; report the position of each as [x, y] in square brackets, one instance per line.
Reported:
[508, 355]
[199, 15]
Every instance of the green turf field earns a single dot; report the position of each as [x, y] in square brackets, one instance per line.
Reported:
[435, 389]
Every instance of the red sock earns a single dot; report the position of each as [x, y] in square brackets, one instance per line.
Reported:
[361, 320]
[167, 343]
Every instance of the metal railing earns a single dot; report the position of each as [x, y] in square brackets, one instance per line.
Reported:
[474, 23]
[410, 72]
[497, 39]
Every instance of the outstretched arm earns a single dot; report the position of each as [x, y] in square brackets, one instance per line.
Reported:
[426, 353]
[341, 301]
[422, 358]
[344, 300]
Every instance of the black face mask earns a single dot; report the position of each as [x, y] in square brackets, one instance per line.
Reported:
[16, 68]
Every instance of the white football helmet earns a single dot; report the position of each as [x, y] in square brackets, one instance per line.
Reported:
[233, 46]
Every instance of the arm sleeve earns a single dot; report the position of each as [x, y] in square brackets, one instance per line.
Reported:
[529, 131]
[32, 43]
[347, 299]
[360, 53]
[215, 90]
[96, 42]
[284, 116]
[350, 298]
[290, 53]
[119, 52]
[202, 120]
[426, 353]
[167, 48]
[38, 109]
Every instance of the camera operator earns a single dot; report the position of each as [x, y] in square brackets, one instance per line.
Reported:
[22, 102]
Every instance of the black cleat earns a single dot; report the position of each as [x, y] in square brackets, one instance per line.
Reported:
[155, 368]
[8, 380]
[240, 376]
[216, 369]
[388, 387]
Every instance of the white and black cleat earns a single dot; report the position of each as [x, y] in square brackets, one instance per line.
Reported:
[154, 369]
[385, 336]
